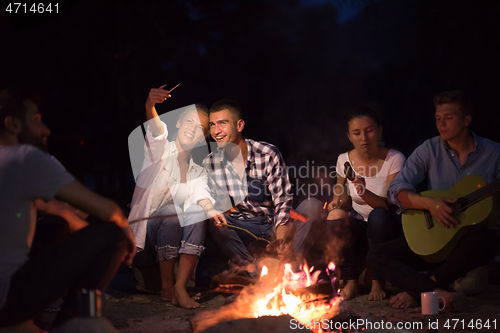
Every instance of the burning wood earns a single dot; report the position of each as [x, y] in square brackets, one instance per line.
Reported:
[275, 296]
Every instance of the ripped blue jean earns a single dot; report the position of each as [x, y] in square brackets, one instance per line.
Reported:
[182, 232]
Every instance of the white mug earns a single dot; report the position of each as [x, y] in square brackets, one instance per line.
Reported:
[430, 303]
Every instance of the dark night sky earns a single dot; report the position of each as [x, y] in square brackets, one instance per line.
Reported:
[295, 66]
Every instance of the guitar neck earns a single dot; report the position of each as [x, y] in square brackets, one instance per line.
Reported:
[479, 195]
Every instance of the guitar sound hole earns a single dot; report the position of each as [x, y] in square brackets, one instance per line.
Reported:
[428, 219]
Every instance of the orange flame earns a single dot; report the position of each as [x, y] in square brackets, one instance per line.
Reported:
[264, 271]
[277, 295]
[282, 301]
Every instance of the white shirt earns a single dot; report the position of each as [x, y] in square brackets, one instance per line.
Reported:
[377, 184]
[160, 180]
[182, 194]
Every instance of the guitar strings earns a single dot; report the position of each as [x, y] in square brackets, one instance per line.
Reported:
[479, 195]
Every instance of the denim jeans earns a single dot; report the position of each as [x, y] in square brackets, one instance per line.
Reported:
[312, 234]
[234, 243]
[382, 226]
[177, 234]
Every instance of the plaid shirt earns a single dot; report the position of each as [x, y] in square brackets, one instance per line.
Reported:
[265, 190]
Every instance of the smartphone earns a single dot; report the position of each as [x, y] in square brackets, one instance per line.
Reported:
[349, 171]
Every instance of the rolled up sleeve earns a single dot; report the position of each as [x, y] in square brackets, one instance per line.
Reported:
[413, 173]
[156, 146]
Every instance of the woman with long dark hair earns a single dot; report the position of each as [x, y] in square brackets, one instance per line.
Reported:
[370, 219]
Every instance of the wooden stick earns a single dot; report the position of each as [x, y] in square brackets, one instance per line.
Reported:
[173, 88]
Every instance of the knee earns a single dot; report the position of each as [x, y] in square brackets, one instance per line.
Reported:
[337, 214]
[379, 215]
[312, 207]
[379, 219]
[193, 215]
[309, 203]
[168, 210]
[195, 229]
[168, 216]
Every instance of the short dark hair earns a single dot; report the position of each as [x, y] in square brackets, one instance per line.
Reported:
[455, 97]
[228, 104]
[363, 110]
[11, 104]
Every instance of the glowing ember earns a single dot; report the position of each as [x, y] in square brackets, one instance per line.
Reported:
[331, 266]
[264, 271]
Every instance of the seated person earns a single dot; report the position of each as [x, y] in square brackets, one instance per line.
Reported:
[370, 221]
[230, 167]
[440, 162]
[174, 188]
[88, 258]
[250, 180]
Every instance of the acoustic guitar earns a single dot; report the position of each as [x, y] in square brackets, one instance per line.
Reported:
[475, 205]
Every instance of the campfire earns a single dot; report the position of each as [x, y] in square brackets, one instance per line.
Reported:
[276, 295]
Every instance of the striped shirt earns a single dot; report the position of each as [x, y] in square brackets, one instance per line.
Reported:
[264, 190]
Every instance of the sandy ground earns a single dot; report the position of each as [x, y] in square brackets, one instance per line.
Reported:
[132, 312]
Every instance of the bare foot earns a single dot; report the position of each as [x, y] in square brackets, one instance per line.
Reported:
[181, 298]
[167, 294]
[350, 290]
[377, 293]
[403, 301]
[454, 300]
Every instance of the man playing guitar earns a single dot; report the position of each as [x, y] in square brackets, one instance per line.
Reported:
[439, 163]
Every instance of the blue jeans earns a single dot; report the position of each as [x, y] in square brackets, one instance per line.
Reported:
[382, 226]
[314, 233]
[178, 233]
[234, 243]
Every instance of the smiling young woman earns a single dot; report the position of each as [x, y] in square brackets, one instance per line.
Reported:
[177, 209]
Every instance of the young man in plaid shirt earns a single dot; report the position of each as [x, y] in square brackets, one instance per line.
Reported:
[250, 182]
